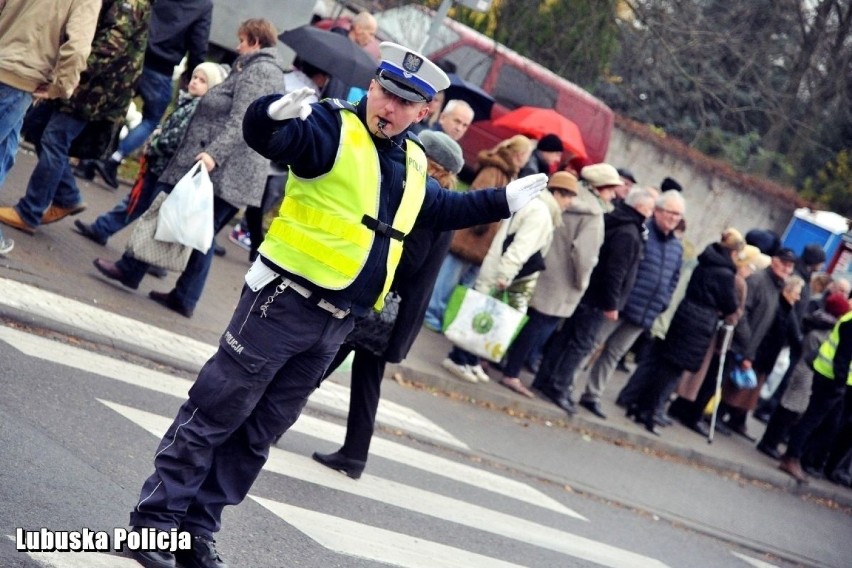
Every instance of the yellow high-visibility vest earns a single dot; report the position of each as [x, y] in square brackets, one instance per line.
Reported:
[824, 362]
[321, 232]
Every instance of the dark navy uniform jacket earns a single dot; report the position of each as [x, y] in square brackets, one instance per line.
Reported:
[309, 147]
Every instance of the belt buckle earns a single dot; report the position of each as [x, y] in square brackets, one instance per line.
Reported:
[335, 312]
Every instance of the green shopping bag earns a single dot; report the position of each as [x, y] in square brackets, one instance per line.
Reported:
[481, 324]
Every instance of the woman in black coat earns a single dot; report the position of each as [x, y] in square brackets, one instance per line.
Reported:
[422, 256]
[709, 297]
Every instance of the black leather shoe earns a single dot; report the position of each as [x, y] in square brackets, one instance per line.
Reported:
[741, 430]
[88, 232]
[113, 272]
[339, 462]
[770, 451]
[650, 424]
[151, 558]
[594, 407]
[108, 170]
[698, 427]
[559, 400]
[203, 554]
[218, 249]
[166, 299]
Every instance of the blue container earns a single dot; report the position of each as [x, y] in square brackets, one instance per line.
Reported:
[821, 227]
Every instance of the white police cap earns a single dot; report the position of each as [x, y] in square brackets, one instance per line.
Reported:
[408, 74]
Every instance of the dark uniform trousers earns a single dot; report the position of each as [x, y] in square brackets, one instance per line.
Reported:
[271, 357]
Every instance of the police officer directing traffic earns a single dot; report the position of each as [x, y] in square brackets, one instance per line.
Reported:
[357, 186]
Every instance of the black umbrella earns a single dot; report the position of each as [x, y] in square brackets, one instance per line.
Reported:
[480, 101]
[333, 53]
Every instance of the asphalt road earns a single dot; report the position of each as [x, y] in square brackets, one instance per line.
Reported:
[78, 431]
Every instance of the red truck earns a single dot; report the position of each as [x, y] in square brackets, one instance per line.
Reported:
[513, 80]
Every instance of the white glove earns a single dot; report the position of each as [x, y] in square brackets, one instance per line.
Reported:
[522, 191]
[292, 105]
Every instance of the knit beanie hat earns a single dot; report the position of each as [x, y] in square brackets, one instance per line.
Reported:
[214, 72]
[550, 143]
[813, 254]
[837, 304]
[443, 150]
[670, 183]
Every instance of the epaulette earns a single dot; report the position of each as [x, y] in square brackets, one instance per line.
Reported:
[338, 104]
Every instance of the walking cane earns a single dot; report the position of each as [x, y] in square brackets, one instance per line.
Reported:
[726, 342]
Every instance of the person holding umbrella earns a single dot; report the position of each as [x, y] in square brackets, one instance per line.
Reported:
[357, 186]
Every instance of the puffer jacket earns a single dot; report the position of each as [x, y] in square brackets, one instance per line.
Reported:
[615, 274]
[710, 296]
[495, 170]
[656, 277]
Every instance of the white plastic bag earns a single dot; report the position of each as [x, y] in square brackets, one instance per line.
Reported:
[481, 324]
[186, 216]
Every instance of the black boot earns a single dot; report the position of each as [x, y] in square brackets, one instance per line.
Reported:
[108, 170]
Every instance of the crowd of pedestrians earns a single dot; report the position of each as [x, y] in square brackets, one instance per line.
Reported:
[598, 262]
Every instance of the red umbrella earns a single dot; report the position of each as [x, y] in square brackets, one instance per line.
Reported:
[537, 122]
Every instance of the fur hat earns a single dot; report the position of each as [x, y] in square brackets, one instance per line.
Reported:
[443, 150]
[748, 254]
[813, 254]
[214, 72]
[837, 304]
[550, 143]
[600, 175]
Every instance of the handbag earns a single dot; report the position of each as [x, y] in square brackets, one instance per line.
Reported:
[186, 216]
[481, 324]
[373, 331]
[742, 378]
[144, 246]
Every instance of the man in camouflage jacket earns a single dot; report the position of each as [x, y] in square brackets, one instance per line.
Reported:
[106, 87]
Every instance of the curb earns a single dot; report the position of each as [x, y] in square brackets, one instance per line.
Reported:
[612, 434]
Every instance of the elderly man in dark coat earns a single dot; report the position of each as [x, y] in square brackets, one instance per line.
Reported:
[709, 297]
[611, 281]
[762, 303]
[656, 280]
[810, 261]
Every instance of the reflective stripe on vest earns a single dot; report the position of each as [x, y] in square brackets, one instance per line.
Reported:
[318, 233]
[824, 361]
